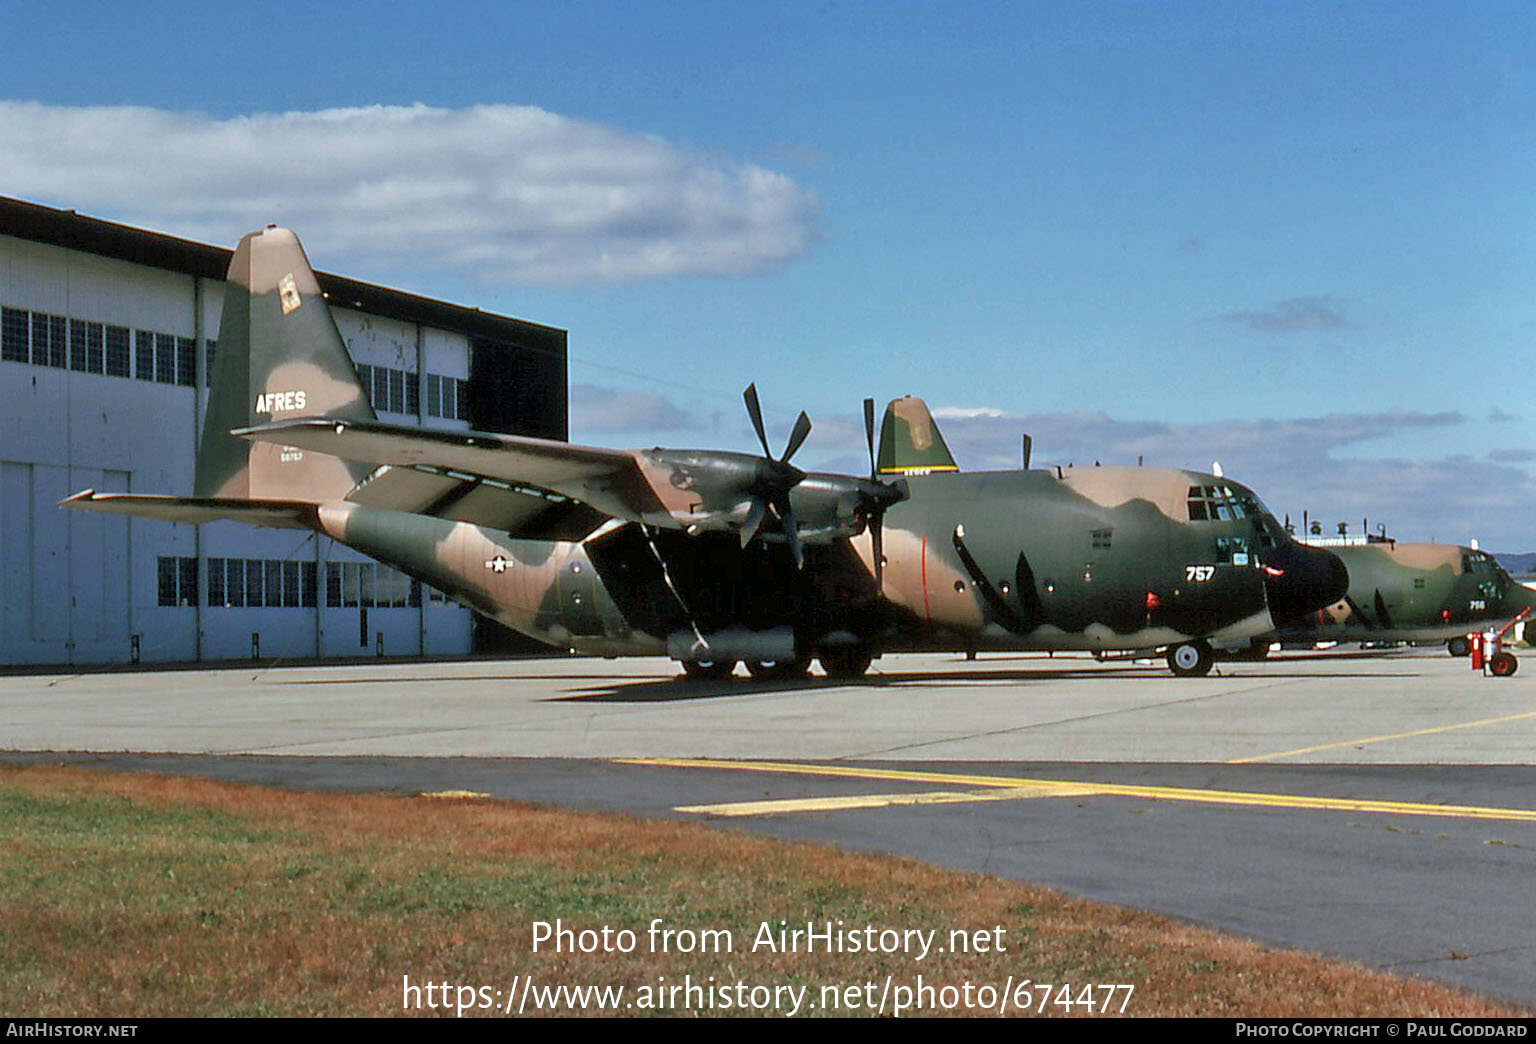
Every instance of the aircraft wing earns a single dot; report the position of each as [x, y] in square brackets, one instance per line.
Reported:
[271, 514]
[489, 478]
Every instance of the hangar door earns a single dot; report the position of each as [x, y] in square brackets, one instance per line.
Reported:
[64, 573]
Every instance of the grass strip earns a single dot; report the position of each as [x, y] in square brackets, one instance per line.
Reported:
[130, 895]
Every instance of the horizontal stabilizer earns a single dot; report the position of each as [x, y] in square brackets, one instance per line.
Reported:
[270, 514]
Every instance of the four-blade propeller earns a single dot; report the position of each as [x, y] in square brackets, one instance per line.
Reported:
[776, 477]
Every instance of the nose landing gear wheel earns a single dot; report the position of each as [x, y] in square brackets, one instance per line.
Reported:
[1458, 646]
[779, 670]
[709, 670]
[1190, 659]
[846, 662]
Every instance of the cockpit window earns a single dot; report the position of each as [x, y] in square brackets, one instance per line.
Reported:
[1492, 580]
[1222, 504]
[1270, 533]
[1232, 549]
[1477, 562]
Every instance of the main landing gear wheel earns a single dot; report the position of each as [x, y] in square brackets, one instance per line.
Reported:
[846, 662]
[1503, 664]
[1256, 651]
[1458, 646]
[1190, 659]
[709, 670]
[779, 670]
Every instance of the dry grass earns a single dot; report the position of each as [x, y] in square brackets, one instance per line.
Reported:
[132, 895]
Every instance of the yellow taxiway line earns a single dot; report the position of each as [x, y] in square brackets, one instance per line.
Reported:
[1381, 739]
[846, 802]
[1038, 788]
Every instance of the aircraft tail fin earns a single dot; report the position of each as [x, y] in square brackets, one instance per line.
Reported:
[279, 356]
[910, 442]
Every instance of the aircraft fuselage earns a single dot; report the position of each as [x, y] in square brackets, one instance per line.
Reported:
[1023, 560]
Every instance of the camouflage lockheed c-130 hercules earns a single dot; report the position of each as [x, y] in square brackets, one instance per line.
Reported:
[716, 557]
[1402, 592]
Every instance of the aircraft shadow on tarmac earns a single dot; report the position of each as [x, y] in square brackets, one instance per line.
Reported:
[643, 690]
[680, 687]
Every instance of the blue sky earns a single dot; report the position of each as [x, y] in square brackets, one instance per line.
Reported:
[1293, 237]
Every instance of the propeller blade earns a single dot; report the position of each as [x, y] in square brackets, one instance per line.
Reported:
[755, 411]
[869, 434]
[877, 545]
[791, 529]
[796, 437]
[754, 520]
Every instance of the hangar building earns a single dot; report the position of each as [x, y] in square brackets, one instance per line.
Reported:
[106, 335]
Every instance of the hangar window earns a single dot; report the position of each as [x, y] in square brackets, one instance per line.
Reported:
[369, 585]
[86, 347]
[144, 355]
[291, 591]
[165, 358]
[14, 344]
[117, 351]
[208, 351]
[253, 592]
[447, 397]
[186, 362]
[48, 343]
[388, 390]
[260, 583]
[397, 391]
[77, 352]
[176, 580]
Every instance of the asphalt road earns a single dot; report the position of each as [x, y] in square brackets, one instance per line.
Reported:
[1380, 809]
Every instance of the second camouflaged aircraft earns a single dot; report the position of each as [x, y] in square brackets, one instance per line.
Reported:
[715, 557]
[1417, 593]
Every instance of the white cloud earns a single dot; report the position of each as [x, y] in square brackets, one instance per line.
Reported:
[603, 410]
[1297, 315]
[500, 193]
[966, 412]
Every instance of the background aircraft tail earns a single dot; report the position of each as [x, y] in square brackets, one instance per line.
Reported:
[279, 356]
[910, 443]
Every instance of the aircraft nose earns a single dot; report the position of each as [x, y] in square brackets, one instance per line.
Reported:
[1300, 580]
